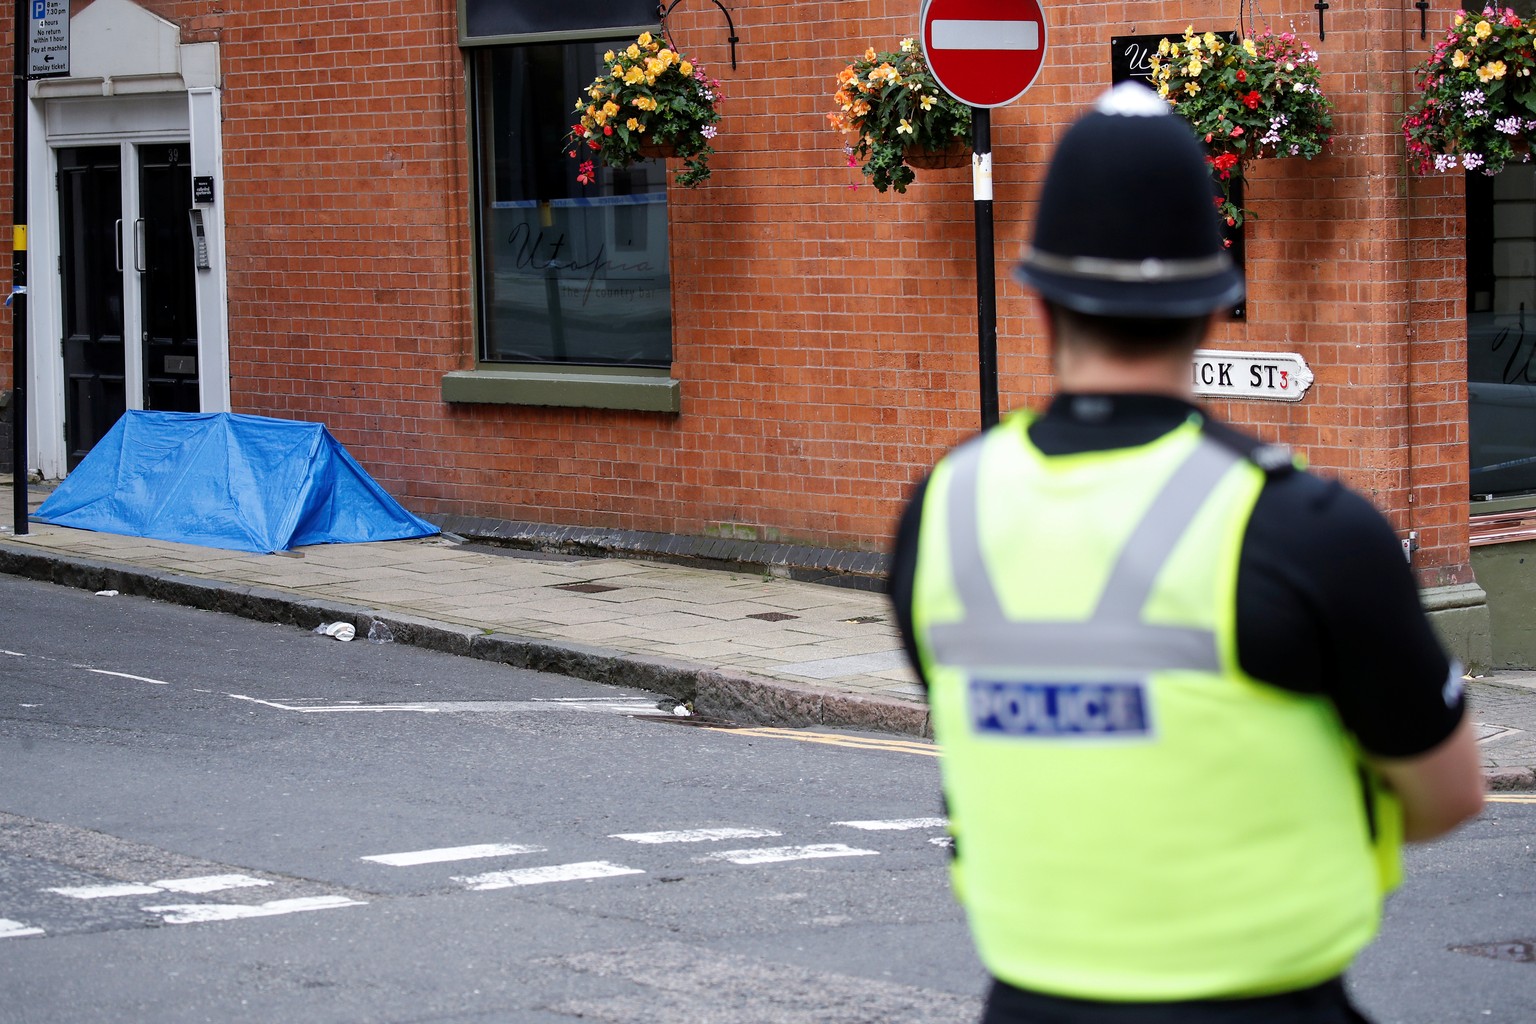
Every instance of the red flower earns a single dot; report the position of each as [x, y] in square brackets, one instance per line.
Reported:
[584, 173]
[607, 129]
[1251, 100]
[1242, 76]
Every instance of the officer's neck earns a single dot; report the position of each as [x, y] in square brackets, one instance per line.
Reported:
[1090, 370]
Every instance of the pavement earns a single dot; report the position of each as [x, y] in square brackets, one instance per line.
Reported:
[743, 647]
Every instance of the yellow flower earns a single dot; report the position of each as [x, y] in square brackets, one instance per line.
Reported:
[633, 52]
[1162, 47]
[927, 102]
[908, 45]
[1461, 16]
[1460, 59]
[1252, 50]
[904, 127]
[608, 57]
[685, 68]
[870, 54]
[633, 125]
[645, 39]
[1210, 40]
[1190, 88]
[644, 103]
[610, 108]
[633, 75]
[1194, 69]
[666, 57]
[1489, 72]
[1483, 30]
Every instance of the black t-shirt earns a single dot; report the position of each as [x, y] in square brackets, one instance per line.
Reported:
[1326, 602]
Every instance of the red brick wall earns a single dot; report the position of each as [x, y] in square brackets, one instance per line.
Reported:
[824, 334]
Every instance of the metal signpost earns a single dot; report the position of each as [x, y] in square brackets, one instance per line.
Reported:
[984, 53]
[42, 51]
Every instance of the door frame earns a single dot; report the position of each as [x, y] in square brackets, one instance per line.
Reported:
[190, 117]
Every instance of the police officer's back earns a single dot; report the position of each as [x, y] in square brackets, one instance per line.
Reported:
[1188, 701]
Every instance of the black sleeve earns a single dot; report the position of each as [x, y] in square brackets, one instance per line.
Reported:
[1326, 603]
[903, 568]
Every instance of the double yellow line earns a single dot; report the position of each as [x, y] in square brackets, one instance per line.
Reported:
[893, 746]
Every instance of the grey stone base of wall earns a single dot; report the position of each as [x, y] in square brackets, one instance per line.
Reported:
[1460, 616]
[860, 570]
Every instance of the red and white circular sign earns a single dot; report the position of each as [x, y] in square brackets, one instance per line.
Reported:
[985, 53]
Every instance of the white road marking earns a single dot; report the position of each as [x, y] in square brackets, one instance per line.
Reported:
[448, 853]
[199, 913]
[125, 675]
[209, 883]
[97, 892]
[895, 824]
[780, 854]
[621, 706]
[199, 884]
[14, 654]
[948, 842]
[423, 708]
[15, 929]
[553, 873]
[955, 34]
[696, 835]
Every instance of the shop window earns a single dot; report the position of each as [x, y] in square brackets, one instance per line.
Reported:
[1501, 333]
[569, 274]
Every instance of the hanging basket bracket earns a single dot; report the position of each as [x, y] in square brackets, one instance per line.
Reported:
[664, 9]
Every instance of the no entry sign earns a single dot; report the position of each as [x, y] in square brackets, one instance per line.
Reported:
[984, 53]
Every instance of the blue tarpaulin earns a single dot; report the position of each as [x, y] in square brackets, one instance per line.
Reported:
[247, 483]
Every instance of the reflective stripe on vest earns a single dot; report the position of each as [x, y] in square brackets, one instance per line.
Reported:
[1114, 636]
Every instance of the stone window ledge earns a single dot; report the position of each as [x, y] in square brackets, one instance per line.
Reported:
[574, 388]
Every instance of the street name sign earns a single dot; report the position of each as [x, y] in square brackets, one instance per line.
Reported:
[1267, 376]
[984, 53]
[47, 38]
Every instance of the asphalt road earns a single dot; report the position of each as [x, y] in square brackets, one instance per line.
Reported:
[208, 819]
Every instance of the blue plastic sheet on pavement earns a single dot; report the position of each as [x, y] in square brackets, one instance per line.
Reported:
[247, 483]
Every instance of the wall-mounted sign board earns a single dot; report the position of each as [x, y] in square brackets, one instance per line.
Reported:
[1266, 376]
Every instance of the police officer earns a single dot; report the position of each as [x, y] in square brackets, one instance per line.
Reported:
[1188, 701]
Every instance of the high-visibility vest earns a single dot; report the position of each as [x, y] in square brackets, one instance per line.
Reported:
[1135, 818]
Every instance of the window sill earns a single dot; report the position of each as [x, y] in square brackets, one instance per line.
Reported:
[578, 388]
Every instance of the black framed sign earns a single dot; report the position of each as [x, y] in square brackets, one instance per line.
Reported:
[542, 18]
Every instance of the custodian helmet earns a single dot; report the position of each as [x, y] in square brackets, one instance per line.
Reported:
[1126, 225]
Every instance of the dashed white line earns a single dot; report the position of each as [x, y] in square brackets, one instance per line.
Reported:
[210, 883]
[15, 929]
[553, 873]
[696, 835]
[895, 824]
[451, 853]
[199, 884]
[125, 675]
[780, 854]
[97, 892]
[200, 913]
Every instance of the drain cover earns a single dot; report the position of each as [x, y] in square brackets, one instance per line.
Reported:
[586, 588]
[1519, 951]
[865, 619]
[772, 616]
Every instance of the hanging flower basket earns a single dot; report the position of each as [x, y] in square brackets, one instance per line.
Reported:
[1253, 99]
[649, 99]
[893, 108]
[1476, 106]
[956, 154]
